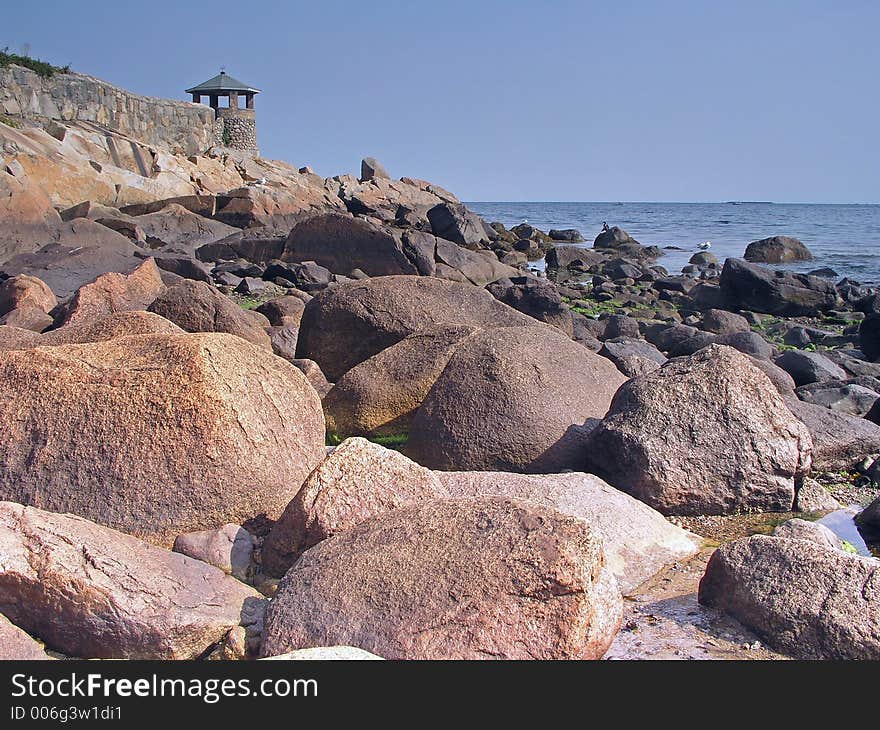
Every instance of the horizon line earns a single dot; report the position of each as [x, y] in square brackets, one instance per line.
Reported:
[674, 202]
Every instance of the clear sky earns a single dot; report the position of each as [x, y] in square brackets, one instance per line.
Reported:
[508, 100]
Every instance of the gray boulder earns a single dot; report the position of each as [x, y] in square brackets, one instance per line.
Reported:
[777, 250]
[809, 367]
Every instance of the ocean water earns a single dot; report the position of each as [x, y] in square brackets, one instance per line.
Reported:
[845, 238]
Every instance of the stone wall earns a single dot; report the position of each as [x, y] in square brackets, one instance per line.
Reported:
[163, 123]
[237, 128]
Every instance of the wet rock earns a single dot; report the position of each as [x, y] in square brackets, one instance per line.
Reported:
[192, 431]
[799, 597]
[868, 520]
[534, 582]
[809, 367]
[747, 286]
[91, 592]
[777, 250]
[511, 399]
[198, 307]
[869, 336]
[671, 441]
[358, 480]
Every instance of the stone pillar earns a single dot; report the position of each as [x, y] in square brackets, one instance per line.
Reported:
[233, 100]
[197, 98]
[215, 101]
[249, 100]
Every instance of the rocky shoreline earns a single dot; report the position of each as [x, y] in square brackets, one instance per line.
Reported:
[250, 411]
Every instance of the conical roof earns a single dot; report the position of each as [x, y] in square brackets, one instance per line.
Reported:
[222, 83]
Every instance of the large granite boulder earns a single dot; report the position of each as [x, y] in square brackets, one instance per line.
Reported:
[120, 324]
[512, 399]
[757, 288]
[27, 218]
[342, 244]
[381, 395]
[112, 292]
[371, 169]
[777, 250]
[195, 306]
[456, 223]
[351, 322]
[358, 480]
[638, 540]
[452, 579]
[705, 434]
[22, 292]
[92, 592]
[77, 253]
[157, 435]
[799, 597]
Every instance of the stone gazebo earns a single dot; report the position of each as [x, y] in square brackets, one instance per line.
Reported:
[235, 127]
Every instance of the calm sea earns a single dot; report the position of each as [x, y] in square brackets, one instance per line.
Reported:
[845, 238]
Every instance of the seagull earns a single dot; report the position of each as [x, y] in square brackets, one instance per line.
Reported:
[705, 246]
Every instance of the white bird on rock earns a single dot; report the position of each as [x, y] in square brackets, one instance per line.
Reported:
[705, 246]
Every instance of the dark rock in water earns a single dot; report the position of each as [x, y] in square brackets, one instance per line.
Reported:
[802, 598]
[809, 367]
[853, 399]
[536, 298]
[777, 250]
[342, 243]
[868, 520]
[839, 440]
[750, 343]
[612, 238]
[456, 223]
[706, 434]
[511, 399]
[783, 293]
[567, 234]
[869, 336]
[825, 272]
[704, 258]
[371, 169]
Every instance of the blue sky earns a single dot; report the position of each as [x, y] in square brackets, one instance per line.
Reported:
[552, 100]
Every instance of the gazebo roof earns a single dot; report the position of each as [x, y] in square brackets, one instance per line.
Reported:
[220, 84]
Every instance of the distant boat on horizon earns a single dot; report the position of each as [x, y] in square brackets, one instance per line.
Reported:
[750, 202]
